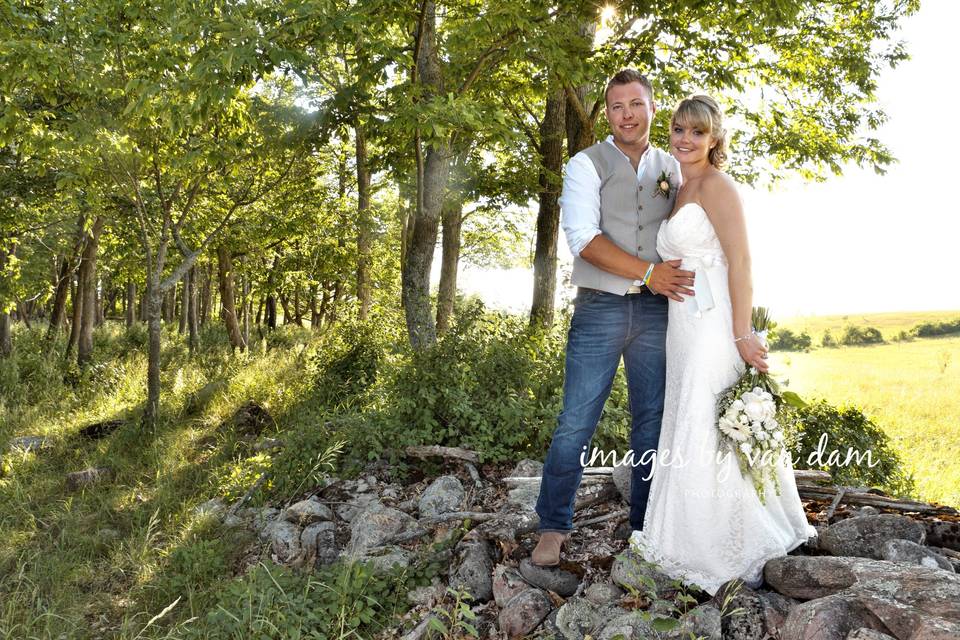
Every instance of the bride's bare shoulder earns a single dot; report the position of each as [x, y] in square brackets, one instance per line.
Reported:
[717, 185]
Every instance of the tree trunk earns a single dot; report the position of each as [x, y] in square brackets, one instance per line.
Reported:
[58, 312]
[364, 224]
[548, 217]
[228, 296]
[452, 220]
[271, 312]
[246, 302]
[206, 295]
[191, 302]
[285, 305]
[314, 314]
[153, 302]
[184, 306]
[6, 340]
[131, 303]
[76, 297]
[297, 312]
[415, 280]
[88, 276]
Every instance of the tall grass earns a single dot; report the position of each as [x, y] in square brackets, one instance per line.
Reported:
[911, 389]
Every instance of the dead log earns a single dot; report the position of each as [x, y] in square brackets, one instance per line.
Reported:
[426, 451]
[881, 502]
[87, 477]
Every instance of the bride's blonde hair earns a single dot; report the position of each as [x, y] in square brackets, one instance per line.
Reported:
[704, 113]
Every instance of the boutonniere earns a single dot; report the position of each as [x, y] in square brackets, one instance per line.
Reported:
[664, 185]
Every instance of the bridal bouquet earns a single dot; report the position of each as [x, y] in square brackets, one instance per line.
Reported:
[750, 416]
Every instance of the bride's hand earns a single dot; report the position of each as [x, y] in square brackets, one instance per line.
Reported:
[754, 353]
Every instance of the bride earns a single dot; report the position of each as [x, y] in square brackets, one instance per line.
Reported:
[705, 523]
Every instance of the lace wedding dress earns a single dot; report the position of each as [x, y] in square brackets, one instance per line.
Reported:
[704, 521]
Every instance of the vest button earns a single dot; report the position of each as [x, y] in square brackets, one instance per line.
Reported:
[639, 187]
[639, 248]
[640, 227]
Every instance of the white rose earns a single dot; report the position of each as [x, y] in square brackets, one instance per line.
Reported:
[760, 435]
[742, 419]
[664, 185]
[746, 448]
[737, 405]
[778, 436]
[755, 410]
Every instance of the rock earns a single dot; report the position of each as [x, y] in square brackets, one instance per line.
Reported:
[631, 626]
[28, 444]
[472, 568]
[318, 540]
[936, 630]
[629, 570]
[776, 608]
[524, 496]
[284, 540]
[863, 633]
[943, 534]
[703, 622]
[579, 617]
[561, 582]
[386, 557]
[603, 593]
[524, 613]
[623, 480]
[98, 430]
[527, 468]
[377, 525]
[356, 505]
[828, 618]
[623, 531]
[507, 582]
[429, 595]
[260, 519]
[212, 507]
[250, 420]
[421, 628]
[87, 477]
[749, 623]
[906, 552]
[307, 512]
[863, 536]
[867, 510]
[848, 593]
[445, 494]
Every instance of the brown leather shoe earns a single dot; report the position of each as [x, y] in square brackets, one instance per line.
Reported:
[547, 553]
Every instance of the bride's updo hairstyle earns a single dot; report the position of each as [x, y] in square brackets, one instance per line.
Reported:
[703, 112]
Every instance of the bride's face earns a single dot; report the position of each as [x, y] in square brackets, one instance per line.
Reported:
[689, 143]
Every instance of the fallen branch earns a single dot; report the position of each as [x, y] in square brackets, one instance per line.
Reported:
[608, 492]
[236, 506]
[599, 519]
[476, 516]
[873, 500]
[426, 451]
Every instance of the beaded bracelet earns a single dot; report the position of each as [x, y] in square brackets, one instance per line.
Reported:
[749, 335]
[646, 276]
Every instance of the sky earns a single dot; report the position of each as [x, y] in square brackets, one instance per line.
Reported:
[859, 242]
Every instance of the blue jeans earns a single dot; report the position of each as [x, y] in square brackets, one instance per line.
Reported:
[604, 328]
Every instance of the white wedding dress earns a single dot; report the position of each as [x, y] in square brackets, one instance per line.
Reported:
[704, 522]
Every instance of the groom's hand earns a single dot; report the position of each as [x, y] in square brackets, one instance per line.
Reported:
[667, 278]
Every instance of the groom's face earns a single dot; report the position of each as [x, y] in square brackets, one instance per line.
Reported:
[630, 109]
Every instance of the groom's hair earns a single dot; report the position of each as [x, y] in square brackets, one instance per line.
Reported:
[626, 76]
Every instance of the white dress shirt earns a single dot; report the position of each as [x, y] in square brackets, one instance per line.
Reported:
[580, 198]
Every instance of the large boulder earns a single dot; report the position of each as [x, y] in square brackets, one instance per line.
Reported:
[749, 623]
[376, 526]
[703, 622]
[579, 617]
[524, 613]
[284, 540]
[507, 582]
[629, 626]
[472, 568]
[633, 573]
[318, 541]
[848, 593]
[307, 512]
[911, 553]
[863, 536]
[942, 533]
[445, 494]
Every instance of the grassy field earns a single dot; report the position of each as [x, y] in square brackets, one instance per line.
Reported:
[910, 389]
[889, 324]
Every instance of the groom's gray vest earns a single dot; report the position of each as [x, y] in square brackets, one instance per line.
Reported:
[630, 212]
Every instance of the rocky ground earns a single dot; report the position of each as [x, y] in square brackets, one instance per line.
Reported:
[870, 574]
[873, 572]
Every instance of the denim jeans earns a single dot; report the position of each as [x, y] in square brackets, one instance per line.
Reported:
[604, 328]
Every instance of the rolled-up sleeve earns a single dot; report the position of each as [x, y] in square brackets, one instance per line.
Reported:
[580, 203]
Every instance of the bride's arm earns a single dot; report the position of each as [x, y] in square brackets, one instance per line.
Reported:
[724, 208]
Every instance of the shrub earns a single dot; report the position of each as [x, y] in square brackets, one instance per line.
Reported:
[848, 428]
[828, 340]
[787, 340]
[858, 336]
[932, 329]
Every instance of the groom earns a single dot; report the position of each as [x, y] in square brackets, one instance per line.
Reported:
[615, 195]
